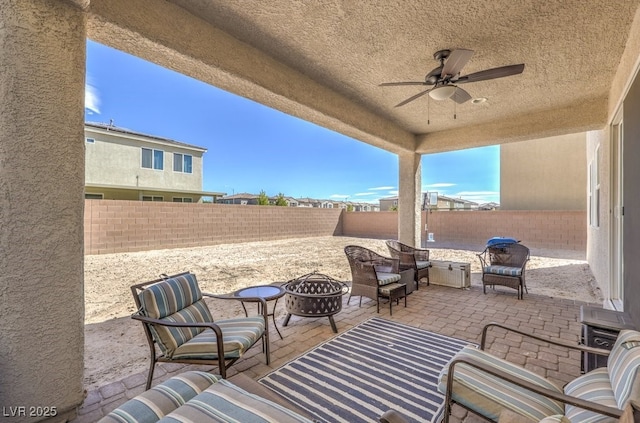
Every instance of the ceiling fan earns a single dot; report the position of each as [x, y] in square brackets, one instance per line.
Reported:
[446, 77]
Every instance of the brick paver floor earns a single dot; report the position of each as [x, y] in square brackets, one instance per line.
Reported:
[454, 312]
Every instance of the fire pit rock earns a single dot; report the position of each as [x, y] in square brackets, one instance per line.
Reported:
[314, 295]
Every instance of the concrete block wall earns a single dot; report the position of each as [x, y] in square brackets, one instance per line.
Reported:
[124, 226]
[562, 230]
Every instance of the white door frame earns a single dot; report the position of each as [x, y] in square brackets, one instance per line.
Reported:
[616, 252]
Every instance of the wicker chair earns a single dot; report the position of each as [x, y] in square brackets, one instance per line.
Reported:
[375, 276]
[504, 264]
[411, 258]
[176, 319]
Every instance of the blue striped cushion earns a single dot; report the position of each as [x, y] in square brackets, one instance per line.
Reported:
[503, 270]
[177, 299]
[387, 278]
[489, 395]
[422, 264]
[162, 399]
[558, 418]
[226, 402]
[623, 365]
[593, 386]
[238, 334]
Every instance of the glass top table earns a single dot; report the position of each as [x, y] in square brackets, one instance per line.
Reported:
[268, 293]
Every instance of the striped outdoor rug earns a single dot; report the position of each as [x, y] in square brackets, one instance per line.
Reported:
[375, 366]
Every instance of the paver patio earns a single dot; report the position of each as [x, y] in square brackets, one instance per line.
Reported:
[449, 311]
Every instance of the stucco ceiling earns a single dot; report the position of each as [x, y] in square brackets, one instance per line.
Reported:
[571, 50]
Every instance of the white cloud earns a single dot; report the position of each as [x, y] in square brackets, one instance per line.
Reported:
[364, 193]
[380, 188]
[91, 98]
[341, 196]
[440, 185]
[394, 192]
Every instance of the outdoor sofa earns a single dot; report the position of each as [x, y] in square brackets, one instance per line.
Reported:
[195, 396]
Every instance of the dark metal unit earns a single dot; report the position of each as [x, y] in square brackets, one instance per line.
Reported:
[600, 329]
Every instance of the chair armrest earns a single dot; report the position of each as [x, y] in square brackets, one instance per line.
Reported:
[392, 416]
[483, 261]
[558, 396]
[548, 340]
[386, 264]
[421, 254]
[152, 321]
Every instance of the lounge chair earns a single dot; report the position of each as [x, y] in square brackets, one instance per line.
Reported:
[411, 258]
[489, 386]
[376, 276]
[176, 318]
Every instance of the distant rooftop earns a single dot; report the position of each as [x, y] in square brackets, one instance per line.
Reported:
[111, 127]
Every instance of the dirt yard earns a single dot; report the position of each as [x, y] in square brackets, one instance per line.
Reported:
[115, 346]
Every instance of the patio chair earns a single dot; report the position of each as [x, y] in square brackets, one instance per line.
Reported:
[411, 258]
[490, 386]
[504, 264]
[176, 318]
[375, 276]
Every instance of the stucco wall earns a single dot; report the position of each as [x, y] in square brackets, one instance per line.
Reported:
[120, 226]
[544, 174]
[42, 51]
[117, 160]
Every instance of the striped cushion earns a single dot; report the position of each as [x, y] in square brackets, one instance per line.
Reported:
[593, 386]
[386, 290]
[558, 418]
[225, 402]
[177, 299]
[489, 395]
[623, 365]
[162, 399]
[422, 264]
[238, 334]
[503, 270]
[387, 278]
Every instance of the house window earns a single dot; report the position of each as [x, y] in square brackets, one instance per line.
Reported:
[182, 200]
[594, 191]
[90, 140]
[90, 196]
[152, 159]
[152, 198]
[182, 163]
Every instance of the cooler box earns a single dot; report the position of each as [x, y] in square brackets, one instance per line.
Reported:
[450, 273]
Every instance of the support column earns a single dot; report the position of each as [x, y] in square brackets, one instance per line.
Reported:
[42, 73]
[409, 201]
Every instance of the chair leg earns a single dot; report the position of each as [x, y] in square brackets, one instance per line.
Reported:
[349, 299]
[152, 366]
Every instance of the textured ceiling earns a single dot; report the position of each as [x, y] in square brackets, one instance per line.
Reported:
[571, 50]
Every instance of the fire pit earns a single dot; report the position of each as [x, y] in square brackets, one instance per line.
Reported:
[314, 295]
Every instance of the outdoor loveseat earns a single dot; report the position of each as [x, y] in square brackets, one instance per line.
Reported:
[200, 397]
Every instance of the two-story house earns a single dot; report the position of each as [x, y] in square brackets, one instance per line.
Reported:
[127, 165]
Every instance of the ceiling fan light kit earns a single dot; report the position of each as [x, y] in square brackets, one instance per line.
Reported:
[442, 93]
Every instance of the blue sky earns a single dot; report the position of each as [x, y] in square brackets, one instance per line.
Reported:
[252, 147]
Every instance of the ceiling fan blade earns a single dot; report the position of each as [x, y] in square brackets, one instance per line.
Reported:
[410, 99]
[456, 61]
[460, 96]
[398, 84]
[491, 74]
